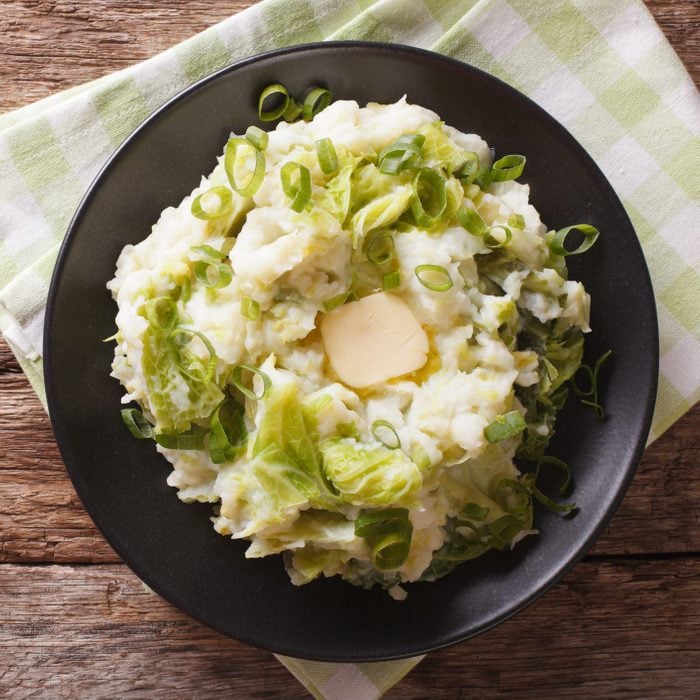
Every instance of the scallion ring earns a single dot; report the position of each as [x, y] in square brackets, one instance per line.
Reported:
[228, 431]
[471, 220]
[391, 280]
[300, 191]
[379, 428]
[208, 253]
[213, 203]
[316, 100]
[429, 198]
[381, 248]
[420, 458]
[516, 221]
[179, 337]
[592, 375]
[185, 290]
[336, 301]
[434, 277]
[327, 157]
[257, 137]
[138, 426]
[250, 308]
[405, 153]
[494, 242]
[558, 240]
[291, 114]
[473, 511]
[507, 168]
[388, 533]
[466, 167]
[232, 160]
[545, 500]
[504, 529]
[270, 115]
[192, 439]
[161, 313]
[506, 426]
[237, 381]
[515, 498]
[213, 275]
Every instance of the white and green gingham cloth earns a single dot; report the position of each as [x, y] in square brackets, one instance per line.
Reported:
[601, 67]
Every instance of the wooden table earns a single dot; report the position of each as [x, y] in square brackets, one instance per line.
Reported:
[74, 620]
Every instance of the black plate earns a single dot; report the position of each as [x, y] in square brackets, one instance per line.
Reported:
[172, 546]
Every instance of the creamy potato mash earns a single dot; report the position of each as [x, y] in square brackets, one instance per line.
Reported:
[348, 382]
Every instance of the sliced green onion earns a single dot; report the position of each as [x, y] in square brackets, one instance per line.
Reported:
[300, 191]
[138, 426]
[381, 248]
[213, 275]
[420, 458]
[471, 220]
[405, 153]
[376, 522]
[516, 221]
[531, 480]
[388, 533]
[208, 253]
[257, 137]
[231, 159]
[391, 280]
[467, 167]
[185, 291]
[336, 301]
[270, 115]
[227, 245]
[213, 203]
[347, 429]
[180, 337]
[250, 308]
[473, 511]
[327, 157]
[161, 313]
[507, 168]
[426, 276]
[493, 242]
[237, 381]
[429, 199]
[192, 439]
[228, 431]
[316, 100]
[504, 529]
[381, 425]
[293, 111]
[514, 497]
[557, 241]
[592, 375]
[506, 426]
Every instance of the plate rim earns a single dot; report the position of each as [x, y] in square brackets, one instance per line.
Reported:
[575, 555]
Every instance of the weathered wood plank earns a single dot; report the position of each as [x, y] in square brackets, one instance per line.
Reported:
[626, 628]
[680, 22]
[95, 631]
[42, 519]
[47, 46]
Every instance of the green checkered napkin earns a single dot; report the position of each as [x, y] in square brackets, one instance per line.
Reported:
[602, 68]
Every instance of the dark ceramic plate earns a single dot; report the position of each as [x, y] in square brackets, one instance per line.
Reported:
[172, 546]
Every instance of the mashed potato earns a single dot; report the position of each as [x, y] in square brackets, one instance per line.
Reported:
[402, 467]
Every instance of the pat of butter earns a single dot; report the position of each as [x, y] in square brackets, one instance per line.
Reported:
[373, 339]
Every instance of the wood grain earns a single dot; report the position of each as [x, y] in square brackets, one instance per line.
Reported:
[97, 628]
[75, 622]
